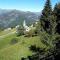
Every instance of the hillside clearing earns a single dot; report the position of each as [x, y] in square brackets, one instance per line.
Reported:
[18, 50]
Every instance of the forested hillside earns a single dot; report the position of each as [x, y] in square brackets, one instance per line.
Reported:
[11, 18]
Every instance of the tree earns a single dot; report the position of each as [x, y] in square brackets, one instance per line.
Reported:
[52, 24]
[37, 29]
[20, 31]
[45, 17]
[57, 14]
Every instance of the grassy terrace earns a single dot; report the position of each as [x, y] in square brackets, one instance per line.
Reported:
[18, 50]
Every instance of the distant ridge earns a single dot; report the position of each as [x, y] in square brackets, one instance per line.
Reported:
[11, 18]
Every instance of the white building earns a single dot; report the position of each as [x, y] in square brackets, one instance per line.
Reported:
[17, 26]
[27, 29]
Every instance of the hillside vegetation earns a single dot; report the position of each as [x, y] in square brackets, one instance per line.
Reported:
[41, 41]
[18, 50]
[11, 18]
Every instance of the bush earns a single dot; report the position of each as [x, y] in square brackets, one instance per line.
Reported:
[31, 33]
[14, 41]
[30, 57]
[37, 49]
[27, 34]
[33, 48]
[22, 58]
[20, 31]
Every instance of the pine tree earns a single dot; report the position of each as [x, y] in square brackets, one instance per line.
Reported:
[48, 24]
[45, 17]
[57, 14]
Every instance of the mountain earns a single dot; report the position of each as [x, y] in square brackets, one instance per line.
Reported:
[11, 18]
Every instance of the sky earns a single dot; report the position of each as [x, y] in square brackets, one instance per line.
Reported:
[25, 5]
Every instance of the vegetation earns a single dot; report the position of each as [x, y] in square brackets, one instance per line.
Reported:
[45, 17]
[14, 41]
[49, 26]
[20, 31]
[15, 17]
[41, 42]
[18, 50]
[56, 12]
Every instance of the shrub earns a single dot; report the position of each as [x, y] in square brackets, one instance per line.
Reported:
[31, 33]
[37, 49]
[22, 58]
[30, 57]
[14, 41]
[20, 31]
[33, 48]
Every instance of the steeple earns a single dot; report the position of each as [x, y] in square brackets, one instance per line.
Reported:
[24, 24]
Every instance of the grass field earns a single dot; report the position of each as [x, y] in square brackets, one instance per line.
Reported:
[18, 50]
[6, 32]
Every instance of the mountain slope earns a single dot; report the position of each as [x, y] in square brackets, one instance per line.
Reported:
[11, 18]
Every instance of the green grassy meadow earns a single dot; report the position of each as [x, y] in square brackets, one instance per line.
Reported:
[18, 50]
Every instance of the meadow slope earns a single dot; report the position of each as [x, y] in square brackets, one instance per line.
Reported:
[18, 50]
